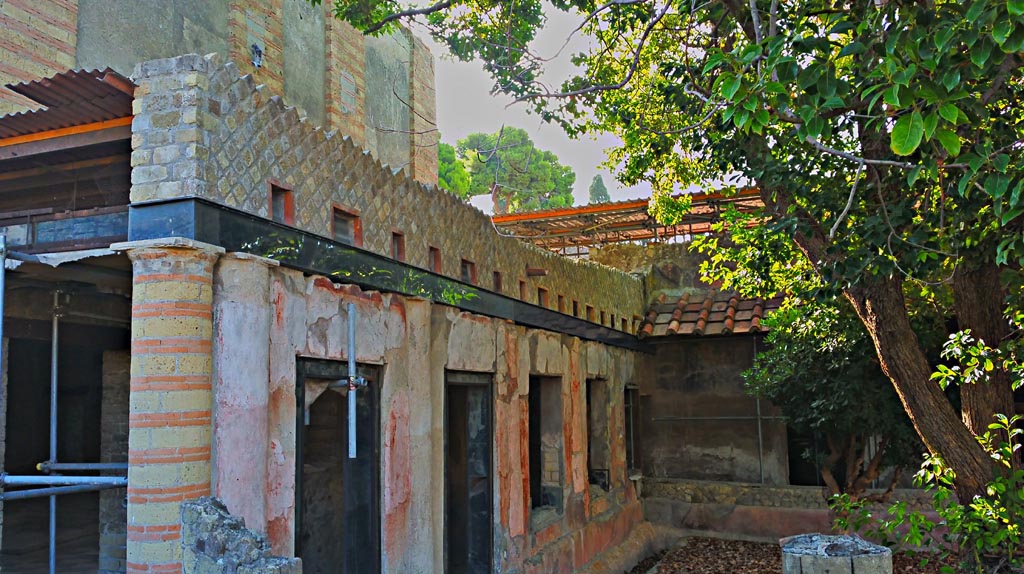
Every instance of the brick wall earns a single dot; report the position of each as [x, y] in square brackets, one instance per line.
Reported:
[37, 39]
[258, 23]
[425, 135]
[346, 81]
[114, 448]
[233, 136]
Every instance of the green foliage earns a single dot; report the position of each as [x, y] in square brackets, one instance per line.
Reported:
[986, 532]
[451, 174]
[885, 137]
[509, 164]
[598, 191]
[822, 372]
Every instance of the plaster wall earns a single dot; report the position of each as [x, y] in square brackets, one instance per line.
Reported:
[415, 342]
[699, 423]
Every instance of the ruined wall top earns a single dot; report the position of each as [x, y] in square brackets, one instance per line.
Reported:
[203, 129]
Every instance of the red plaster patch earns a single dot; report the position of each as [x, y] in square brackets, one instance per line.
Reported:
[278, 307]
[397, 470]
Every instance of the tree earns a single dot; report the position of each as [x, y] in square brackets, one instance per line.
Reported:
[821, 371]
[883, 135]
[598, 191]
[451, 174]
[508, 166]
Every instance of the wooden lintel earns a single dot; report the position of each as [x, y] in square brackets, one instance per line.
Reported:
[66, 138]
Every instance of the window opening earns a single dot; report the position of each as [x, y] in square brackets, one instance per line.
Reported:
[398, 246]
[282, 205]
[542, 297]
[345, 227]
[434, 259]
[467, 271]
[598, 451]
[545, 443]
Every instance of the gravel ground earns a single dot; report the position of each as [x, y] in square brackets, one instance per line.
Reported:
[714, 556]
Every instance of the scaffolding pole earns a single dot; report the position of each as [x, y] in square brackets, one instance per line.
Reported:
[54, 355]
[58, 490]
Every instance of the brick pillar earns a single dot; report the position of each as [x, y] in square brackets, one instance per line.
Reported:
[423, 118]
[171, 394]
[241, 366]
[114, 448]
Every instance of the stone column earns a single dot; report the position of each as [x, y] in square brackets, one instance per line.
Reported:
[170, 396]
[241, 367]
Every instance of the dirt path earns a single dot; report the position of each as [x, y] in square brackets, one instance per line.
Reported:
[714, 556]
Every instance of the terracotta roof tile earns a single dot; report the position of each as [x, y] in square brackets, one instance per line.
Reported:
[714, 313]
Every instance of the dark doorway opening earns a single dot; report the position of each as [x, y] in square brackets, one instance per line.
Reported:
[468, 482]
[337, 515]
[92, 398]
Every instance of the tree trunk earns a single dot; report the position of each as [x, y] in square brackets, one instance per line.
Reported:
[979, 300]
[882, 309]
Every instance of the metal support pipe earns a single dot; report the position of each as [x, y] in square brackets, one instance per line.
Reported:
[52, 480]
[54, 355]
[58, 490]
[3, 277]
[351, 398]
[760, 441]
[50, 467]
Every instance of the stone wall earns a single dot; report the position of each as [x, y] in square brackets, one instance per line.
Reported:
[415, 343]
[751, 510]
[203, 130]
[321, 65]
[37, 39]
[214, 542]
[699, 422]
[114, 448]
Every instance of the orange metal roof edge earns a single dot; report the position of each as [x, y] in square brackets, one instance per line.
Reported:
[68, 131]
[610, 207]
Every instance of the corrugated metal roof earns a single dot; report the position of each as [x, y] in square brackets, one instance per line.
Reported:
[72, 98]
[614, 222]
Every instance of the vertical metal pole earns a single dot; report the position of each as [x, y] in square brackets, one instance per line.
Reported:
[760, 441]
[55, 331]
[351, 398]
[3, 276]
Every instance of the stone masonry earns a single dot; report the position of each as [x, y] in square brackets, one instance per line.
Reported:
[214, 542]
[114, 448]
[171, 394]
[202, 129]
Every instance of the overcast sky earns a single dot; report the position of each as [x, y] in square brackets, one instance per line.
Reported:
[465, 106]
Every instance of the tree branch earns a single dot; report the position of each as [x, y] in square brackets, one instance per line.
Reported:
[604, 88]
[408, 13]
[849, 201]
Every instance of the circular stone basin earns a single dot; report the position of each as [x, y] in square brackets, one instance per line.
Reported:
[829, 554]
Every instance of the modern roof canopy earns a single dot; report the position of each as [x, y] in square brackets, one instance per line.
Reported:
[616, 222]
